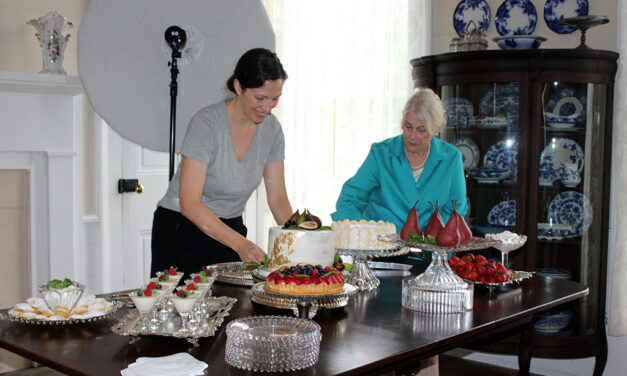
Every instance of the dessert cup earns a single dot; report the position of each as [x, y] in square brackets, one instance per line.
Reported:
[184, 307]
[144, 305]
[62, 300]
[507, 242]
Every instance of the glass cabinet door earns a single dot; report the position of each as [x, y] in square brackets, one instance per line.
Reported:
[570, 191]
[483, 123]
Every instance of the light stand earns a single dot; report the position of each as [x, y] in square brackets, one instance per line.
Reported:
[176, 39]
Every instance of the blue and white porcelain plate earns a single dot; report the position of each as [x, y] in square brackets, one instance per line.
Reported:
[458, 111]
[504, 155]
[554, 9]
[571, 208]
[477, 11]
[502, 100]
[516, 17]
[469, 150]
[554, 155]
[503, 214]
[568, 102]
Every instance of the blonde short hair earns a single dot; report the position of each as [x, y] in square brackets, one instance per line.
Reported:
[426, 106]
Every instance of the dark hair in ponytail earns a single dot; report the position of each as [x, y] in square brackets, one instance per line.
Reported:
[255, 67]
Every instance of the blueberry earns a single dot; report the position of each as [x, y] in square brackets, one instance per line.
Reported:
[140, 293]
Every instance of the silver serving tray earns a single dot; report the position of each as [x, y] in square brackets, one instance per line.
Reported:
[115, 305]
[232, 273]
[518, 276]
[275, 299]
[218, 308]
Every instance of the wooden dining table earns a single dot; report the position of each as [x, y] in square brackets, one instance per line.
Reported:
[373, 334]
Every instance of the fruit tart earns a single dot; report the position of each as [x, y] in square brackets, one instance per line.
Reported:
[305, 279]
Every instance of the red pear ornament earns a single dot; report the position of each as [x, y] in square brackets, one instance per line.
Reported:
[435, 224]
[411, 224]
[449, 235]
[464, 231]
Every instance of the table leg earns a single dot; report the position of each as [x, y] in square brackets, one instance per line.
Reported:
[524, 350]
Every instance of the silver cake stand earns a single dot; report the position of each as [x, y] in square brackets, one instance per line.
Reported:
[361, 276]
[438, 289]
[303, 306]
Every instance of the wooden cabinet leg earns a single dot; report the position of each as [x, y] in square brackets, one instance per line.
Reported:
[524, 350]
[601, 357]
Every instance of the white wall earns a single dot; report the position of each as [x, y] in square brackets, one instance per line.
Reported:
[602, 37]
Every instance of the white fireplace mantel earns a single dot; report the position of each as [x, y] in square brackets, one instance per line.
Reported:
[41, 131]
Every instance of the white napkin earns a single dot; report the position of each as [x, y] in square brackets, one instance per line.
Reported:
[181, 364]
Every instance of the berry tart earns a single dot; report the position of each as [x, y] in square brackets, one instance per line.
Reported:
[305, 279]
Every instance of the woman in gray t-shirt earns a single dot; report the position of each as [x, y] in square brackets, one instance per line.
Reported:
[229, 146]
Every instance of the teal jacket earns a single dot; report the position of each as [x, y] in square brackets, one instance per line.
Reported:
[384, 187]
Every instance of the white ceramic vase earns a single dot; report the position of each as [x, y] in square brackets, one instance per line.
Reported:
[50, 33]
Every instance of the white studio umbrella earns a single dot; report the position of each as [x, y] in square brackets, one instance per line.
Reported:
[123, 60]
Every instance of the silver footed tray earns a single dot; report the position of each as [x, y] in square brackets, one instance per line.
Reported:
[302, 305]
[518, 276]
[232, 273]
[87, 310]
[475, 243]
[167, 323]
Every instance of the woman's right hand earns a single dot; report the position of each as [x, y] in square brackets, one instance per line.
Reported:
[249, 251]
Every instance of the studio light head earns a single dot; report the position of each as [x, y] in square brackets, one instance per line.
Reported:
[176, 38]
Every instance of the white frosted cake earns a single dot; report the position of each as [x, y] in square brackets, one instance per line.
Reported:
[363, 234]
[291, 247]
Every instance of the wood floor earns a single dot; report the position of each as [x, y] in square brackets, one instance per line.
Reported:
[454, 366]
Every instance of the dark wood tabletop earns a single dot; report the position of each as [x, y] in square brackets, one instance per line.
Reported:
[371, 335]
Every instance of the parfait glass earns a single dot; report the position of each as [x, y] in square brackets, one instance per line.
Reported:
[144, 305]
[507, 244]
[184, 307]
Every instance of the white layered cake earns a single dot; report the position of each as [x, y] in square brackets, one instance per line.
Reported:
[362, 234]
[291, 247]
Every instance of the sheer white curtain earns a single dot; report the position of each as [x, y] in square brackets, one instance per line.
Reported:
[349, 77]
[617, 318]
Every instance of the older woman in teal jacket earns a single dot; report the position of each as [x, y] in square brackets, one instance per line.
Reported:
[406, 168]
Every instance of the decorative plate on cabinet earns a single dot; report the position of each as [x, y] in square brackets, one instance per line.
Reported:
[554, 155]
[568, 102]
[503, 154]
[458, 112]
[516, 17]
[554, 9]
[469, 150]
[503, 214]
[502, 100]
[571, 208]
[477, 11]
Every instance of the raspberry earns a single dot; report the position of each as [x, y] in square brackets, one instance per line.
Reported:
[191, 286]
[197, 279]
[152, 285]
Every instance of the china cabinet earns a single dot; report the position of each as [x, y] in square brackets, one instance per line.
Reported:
[534, 128]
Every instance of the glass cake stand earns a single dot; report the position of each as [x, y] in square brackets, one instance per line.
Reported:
[438, 289]
[361, 276]
[303, 306]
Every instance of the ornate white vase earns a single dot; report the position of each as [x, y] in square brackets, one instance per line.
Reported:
[50, 30]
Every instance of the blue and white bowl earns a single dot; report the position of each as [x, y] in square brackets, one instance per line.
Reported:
[489, 174]
[562, 122]
[553, 323]
[510, 42]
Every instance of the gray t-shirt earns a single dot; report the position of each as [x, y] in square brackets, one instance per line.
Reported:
[229, 182]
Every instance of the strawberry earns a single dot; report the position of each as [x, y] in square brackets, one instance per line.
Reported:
[463, 275]
[483, 278]
[509, 275]
[500, 268]
[325, 280]
[469, 257]
[480, 269]
[501, 277]
[480, 259]
[473, 276]
[316, 280]
[490, 270]
[314, 272]
[152, 285]
[289, 279]
[278, 279]
[492, 279]
[298, 281]
[307, 281]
